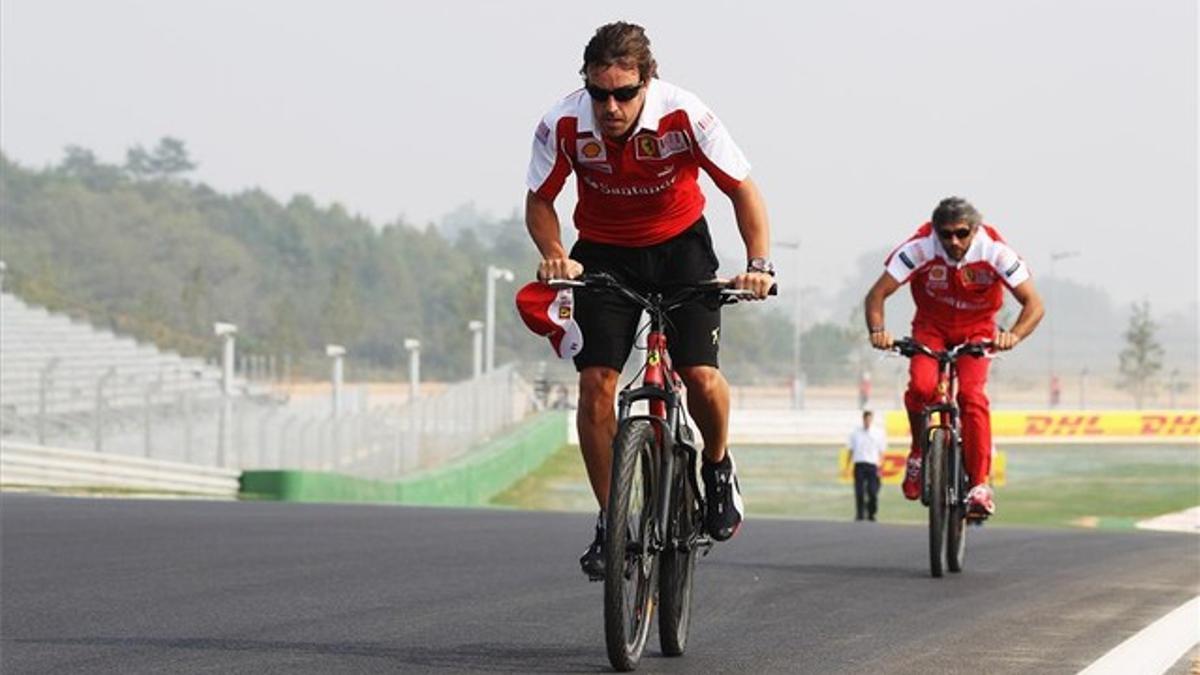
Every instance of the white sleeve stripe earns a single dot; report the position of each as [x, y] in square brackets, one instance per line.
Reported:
[1011, 269]
[542, 154]
[902, 265]
[718, 146]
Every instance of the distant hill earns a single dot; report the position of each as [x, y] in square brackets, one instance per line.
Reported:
[152, 254]
[140, 248]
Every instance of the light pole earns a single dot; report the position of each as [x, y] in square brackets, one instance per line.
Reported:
[1083, 375]
[414, 368]
[797, 365]
[493, 273]
[227, 333]
[476, 328]
[338, 354]
[1172, 387]
[1055, 256]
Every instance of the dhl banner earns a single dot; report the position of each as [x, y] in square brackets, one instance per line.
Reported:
[891, 467]
[1033, 426]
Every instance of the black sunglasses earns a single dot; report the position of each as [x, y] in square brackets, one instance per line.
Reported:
[622, 94]
[960, 233]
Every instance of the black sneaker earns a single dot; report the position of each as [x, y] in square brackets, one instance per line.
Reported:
[723, 498]
[592, 560]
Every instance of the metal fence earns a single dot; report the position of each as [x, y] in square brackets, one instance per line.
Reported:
[258, 428]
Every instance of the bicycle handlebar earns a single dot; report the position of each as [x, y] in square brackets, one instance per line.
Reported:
[674, 294]
[906, 346]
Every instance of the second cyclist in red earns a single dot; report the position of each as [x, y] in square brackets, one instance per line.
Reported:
[958, 268]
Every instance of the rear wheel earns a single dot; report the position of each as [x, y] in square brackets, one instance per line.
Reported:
[678, 566]
[630, 564]
[935, 475]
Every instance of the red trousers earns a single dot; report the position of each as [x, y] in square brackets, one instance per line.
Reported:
[972, 395]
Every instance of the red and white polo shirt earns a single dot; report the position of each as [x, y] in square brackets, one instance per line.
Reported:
[642, 191]
[961, 297]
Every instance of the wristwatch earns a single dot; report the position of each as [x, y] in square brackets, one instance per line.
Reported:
[761, 266]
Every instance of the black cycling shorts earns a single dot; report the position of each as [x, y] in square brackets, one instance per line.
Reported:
[609, 322]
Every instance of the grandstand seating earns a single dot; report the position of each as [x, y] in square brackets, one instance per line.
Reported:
[74, 357]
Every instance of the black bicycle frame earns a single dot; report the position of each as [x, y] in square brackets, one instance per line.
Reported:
[660, 389]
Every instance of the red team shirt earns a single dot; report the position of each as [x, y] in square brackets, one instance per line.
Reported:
[958, 298]
[643, 191]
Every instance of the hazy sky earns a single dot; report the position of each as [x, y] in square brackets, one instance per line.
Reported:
[1071, 124]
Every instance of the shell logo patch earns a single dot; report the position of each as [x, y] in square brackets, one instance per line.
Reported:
[589, 150]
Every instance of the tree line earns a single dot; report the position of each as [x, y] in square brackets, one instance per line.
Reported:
[141, 249]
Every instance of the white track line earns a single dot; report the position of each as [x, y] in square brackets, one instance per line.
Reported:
[1187, 520]
[1157, 647]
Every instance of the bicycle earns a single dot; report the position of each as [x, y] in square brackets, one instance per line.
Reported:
[655, 514]
[944, 482]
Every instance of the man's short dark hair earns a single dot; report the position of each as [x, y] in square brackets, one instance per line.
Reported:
[955, 210]
[868, 412]
[620, 44]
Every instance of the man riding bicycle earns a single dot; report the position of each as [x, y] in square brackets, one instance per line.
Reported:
[958, 267]
[636, 145]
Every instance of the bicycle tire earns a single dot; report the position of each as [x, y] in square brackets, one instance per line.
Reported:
[935, 467]
[956, 514]
[677, 567]
[630, 564]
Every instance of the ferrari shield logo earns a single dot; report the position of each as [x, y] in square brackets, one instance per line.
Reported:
[647, 148]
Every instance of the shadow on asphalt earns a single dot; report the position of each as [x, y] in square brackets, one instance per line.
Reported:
[483, 656]
[840, 570]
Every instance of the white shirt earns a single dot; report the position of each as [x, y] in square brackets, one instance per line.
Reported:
[867, 445]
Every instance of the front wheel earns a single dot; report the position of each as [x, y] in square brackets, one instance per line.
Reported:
[956, 513]
[630, 564]
[937, 481]
[678, 565]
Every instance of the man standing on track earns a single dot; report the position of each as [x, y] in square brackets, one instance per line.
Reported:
[866, 449]
[959, 268]
[636, 145]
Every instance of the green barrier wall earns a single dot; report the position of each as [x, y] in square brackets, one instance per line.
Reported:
[469, 482]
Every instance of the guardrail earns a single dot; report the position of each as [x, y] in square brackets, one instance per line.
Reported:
[31, 465]
[471, 481]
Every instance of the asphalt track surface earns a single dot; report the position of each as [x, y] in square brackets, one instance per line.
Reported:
[135, 586]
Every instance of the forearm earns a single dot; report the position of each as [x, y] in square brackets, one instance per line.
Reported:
[541, 221]
[751, 213]
[873, 310]
[1030, 316]
[884, 286]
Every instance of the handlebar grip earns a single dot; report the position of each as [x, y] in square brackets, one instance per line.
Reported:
[906, 346]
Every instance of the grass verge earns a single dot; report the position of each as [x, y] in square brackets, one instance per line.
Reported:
[1052, 485]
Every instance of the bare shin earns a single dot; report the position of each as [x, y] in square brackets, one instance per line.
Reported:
[597, 424]
[708, 404]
